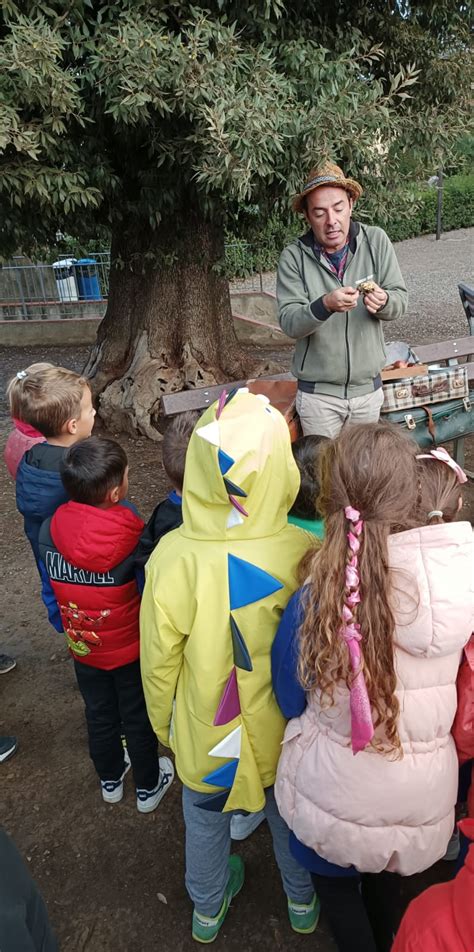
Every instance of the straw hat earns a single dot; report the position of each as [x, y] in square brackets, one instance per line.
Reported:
[326, 174]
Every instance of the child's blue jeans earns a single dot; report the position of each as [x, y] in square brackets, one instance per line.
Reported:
[208, 845]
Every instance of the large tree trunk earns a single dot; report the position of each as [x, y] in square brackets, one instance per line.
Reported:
[168, 324]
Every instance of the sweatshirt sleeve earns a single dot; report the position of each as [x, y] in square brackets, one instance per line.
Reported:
[298, 316]
[389, 277]
[49, 599]
[161, 658]
[290, 696]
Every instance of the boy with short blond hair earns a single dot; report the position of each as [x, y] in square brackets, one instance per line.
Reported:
[23, 436]
[58, 403]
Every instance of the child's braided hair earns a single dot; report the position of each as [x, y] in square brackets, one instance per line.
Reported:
[368, 478]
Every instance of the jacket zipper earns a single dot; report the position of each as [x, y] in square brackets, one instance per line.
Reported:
[305, 353]
[348, 357]
[346, 335]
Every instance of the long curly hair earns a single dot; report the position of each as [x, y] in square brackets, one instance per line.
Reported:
[373, 468]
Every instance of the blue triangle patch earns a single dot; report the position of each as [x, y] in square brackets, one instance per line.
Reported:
[241, 655]
[232, 489]
[248, 583]
[224, 776]
[225, 461]
[215, 802]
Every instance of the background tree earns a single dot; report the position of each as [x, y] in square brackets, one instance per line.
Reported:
[161, 120]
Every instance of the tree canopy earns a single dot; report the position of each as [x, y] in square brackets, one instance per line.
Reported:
[142, 109]
[160, 122]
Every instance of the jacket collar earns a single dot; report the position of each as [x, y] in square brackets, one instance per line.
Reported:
[95, 539]
[354, 228]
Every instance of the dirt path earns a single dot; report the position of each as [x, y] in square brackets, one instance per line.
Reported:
[101, 868]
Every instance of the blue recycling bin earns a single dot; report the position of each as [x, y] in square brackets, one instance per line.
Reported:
[87, 280]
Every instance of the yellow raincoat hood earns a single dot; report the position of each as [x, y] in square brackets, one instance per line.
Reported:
[215, 591]
[253, 438]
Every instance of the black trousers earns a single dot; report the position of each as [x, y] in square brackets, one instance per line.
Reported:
[364, 912]
[115, 704]
[24, 923]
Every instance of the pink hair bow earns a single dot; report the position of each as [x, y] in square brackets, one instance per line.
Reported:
[362, 728]
[439, 453]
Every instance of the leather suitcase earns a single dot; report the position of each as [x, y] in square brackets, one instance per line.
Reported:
[438, 423]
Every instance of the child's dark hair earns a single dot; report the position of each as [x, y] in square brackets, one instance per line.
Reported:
[175, 443]
[91, 467]
[306, 453]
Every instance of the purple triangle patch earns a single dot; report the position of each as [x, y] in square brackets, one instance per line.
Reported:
[221, 403]
[229, 704]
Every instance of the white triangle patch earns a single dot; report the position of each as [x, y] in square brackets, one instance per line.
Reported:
[210, 432]
[230, 746]
[263, 397]
[234, 519]
[243, 390]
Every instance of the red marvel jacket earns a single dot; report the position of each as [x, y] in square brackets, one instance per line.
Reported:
[463, 727]
[88, 556]
[442, 918]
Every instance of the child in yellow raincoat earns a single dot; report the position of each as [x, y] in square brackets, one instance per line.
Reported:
[215, 592]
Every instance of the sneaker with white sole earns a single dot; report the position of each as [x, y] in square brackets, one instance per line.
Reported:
[112, 790]
[6, 663]
[304, 916]
[206, 928]
[8, 746]
[148, 800]
[242, 825]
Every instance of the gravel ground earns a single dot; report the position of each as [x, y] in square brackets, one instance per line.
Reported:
[432, 270]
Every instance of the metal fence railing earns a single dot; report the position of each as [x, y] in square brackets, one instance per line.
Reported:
[79, 287]
[46, 291]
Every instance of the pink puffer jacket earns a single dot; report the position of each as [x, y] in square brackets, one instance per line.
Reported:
[21, 439]
[369, 810]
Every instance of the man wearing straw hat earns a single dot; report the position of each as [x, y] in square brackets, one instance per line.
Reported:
[336, 286]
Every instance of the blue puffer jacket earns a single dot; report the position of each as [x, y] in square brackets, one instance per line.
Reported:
[39, 492]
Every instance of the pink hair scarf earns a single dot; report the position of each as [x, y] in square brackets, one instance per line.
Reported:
[362, 728]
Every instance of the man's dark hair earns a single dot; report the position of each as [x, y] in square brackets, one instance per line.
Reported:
[175, 443]
[305, 453]
[91, 467]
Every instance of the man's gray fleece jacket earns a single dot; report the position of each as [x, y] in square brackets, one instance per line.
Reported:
[340, 354]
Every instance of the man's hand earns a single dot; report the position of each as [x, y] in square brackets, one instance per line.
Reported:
[375, 299]
[344, 299]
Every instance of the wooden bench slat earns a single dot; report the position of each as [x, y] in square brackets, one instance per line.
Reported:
[201, 397]
[445, 350]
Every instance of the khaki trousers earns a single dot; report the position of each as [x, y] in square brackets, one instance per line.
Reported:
[322, 415]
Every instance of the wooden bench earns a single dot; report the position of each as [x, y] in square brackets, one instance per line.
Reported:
[447, 353]
[201, 397]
